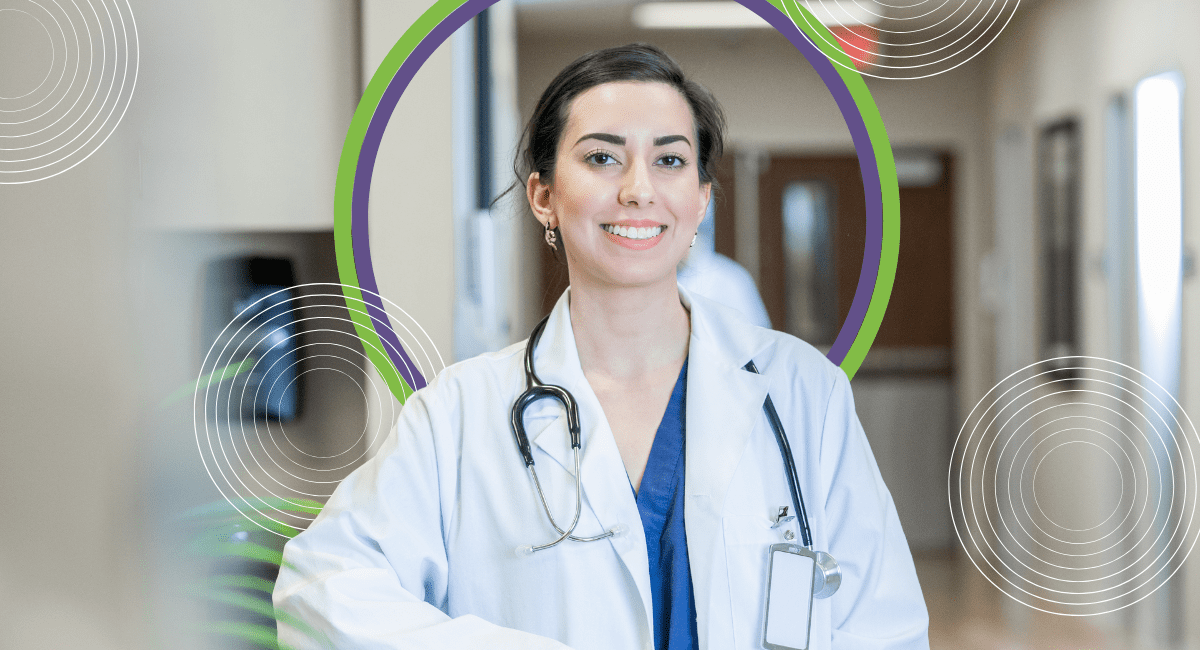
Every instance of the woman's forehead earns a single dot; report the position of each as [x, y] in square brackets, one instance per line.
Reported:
[629, 108]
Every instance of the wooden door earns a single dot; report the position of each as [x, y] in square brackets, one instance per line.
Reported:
[920, 312]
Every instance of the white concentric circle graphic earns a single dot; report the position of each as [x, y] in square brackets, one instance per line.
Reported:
[275, 478]
[1073, 486]
[906, 39]
[68, 75]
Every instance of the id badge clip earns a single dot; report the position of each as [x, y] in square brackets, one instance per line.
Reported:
[791, 574]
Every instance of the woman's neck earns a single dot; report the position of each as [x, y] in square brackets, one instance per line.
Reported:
[627, 332]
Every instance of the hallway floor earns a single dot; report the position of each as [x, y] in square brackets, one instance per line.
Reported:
[966, 612]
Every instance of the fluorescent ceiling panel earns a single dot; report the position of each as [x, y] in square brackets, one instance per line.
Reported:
[733, 15]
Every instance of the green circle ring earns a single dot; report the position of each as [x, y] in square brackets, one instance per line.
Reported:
[440, 20]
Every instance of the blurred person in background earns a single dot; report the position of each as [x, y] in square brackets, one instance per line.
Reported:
[710, 274]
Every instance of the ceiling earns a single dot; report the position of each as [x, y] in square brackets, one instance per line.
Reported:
[906, 21]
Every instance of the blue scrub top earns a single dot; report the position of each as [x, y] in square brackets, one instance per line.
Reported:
[660, 502]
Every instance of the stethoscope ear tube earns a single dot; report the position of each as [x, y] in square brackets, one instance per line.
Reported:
[532, 395]
[535, 390]
[518, 428]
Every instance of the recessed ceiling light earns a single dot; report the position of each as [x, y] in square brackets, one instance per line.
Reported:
[733, 15]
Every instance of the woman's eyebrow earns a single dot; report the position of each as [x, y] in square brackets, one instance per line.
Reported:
[620, 141]
[603, 137]
[668, 139]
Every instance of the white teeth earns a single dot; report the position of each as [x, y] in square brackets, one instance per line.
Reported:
[634, 233]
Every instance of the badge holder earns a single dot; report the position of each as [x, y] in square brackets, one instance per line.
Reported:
[791, 574]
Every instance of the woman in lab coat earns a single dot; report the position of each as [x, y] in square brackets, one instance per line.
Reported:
[420, 547]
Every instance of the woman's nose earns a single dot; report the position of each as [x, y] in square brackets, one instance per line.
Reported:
[637, 188]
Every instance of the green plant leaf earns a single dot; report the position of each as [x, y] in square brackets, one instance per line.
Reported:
[261, 635]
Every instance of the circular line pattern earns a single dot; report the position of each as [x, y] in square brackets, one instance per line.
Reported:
[912, 41]
[876, 163]
[84, 96]
[1038, 467]
[282, 336]
[1012, 533]
[52, 53]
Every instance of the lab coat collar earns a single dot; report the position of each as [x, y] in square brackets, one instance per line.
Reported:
[723, 400]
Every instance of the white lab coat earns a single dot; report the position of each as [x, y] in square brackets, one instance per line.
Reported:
[416, 548]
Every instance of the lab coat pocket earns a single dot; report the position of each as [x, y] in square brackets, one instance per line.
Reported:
[747, 539]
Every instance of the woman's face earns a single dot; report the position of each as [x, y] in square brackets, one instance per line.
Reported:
[626, 192]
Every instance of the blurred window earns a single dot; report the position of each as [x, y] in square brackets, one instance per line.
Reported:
[1158, 210]
[809, 260]
[1159, 218]
[1059, 200]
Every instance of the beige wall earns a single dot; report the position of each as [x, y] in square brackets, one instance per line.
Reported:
[70, 404]
[412, 234]
[245, 107]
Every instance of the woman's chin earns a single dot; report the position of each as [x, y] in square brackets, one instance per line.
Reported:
[630, 277]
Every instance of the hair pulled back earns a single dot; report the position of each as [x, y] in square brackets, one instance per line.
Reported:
[634, 62]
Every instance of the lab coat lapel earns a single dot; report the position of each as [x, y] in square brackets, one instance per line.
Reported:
[606, 488]
[724, 401]
[724, 404]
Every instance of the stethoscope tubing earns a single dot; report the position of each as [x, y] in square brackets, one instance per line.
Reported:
[563, 534]
[535, 390]
[827, 575]
[789, 462]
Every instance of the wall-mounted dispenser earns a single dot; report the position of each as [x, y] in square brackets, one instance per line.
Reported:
[250, 325]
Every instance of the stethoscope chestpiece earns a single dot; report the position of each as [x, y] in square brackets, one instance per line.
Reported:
[827, 576]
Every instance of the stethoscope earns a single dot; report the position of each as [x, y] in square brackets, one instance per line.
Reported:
[828, 576]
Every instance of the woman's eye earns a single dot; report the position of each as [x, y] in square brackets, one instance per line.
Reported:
[672, 160]
[600, 158]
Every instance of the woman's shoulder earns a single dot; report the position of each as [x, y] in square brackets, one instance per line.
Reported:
[472, 390]
[775, 352]
[483, 372]
[802, 356]
[805, 371]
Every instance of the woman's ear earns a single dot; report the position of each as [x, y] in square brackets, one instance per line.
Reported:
[538, 194]
[705, 197]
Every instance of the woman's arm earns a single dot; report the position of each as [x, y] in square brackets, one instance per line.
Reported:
[371, 570]
[879, 604]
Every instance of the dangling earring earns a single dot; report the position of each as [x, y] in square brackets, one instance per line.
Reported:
[693, 244]
[551, 238]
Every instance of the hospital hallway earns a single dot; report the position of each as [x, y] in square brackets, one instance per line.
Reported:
[963, 242]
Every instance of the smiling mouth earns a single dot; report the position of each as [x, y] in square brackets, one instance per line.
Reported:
[633, 233]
